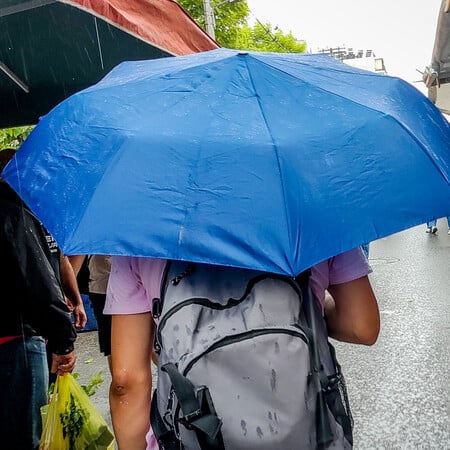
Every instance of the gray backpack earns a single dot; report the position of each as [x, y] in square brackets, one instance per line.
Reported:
[244, 363]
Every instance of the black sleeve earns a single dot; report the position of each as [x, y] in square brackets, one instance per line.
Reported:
[45, 309]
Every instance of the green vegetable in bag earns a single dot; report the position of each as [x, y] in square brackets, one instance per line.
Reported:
[72, 422]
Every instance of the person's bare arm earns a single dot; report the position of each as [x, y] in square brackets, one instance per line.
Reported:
[352, 313]
[70, 286]
[131, 385]
[76, 262]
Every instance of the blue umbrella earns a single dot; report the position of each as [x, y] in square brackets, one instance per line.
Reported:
[266, 161]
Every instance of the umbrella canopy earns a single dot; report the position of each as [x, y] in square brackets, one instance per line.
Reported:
[265, 161]
[50, 49]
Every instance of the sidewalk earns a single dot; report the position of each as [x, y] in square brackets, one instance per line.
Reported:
[90, 362]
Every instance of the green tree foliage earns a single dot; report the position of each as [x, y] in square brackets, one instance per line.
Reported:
[13, 137]
[263, 38]
[233, 31]
[230, 18]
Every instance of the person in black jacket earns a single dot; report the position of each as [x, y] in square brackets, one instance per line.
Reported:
[33, 310]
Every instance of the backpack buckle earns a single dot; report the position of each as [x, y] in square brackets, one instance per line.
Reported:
[156, 308]
[187, 419]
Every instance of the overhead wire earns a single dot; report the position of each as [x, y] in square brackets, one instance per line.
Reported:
[268, 31]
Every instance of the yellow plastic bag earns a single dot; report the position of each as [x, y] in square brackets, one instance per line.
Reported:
[71, 421]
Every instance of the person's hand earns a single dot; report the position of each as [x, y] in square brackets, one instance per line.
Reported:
[79, 316]
[79, 313]
[63, 363]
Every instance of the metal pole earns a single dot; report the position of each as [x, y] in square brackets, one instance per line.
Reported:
[209, 18]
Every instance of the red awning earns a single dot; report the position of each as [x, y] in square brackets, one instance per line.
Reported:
[162, 23]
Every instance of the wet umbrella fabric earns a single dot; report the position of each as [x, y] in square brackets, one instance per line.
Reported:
[50, 49]
[266, 161]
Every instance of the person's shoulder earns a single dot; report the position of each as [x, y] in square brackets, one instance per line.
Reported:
[355, 254]
[11, 205]
[348, 266]
[8, 194]
[153, 263]
[138, 262]
[98, 260]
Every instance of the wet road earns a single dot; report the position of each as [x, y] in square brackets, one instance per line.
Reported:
[399, 388]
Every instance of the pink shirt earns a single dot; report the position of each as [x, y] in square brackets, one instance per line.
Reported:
[339, 269]
[134, 282]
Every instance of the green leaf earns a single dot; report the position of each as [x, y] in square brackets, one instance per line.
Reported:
[232, 29]
[13, 137]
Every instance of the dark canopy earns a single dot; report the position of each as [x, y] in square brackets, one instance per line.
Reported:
[50, 49]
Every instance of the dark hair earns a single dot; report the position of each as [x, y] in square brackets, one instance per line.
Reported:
[5, 155]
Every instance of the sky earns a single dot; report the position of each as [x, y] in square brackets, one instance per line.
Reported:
[400, 31]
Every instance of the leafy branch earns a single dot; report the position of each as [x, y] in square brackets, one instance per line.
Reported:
[72, 421]
[95, 381]
[13, 137]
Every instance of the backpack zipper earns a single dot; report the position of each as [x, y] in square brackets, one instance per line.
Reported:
[203, 301]
[246, 335]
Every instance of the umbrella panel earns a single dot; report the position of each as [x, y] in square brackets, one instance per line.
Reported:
[260, 161]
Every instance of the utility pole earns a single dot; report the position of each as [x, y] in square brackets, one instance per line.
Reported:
[210, 20]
